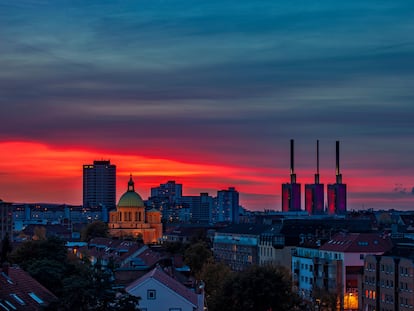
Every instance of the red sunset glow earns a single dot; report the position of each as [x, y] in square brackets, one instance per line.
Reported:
[34, 172]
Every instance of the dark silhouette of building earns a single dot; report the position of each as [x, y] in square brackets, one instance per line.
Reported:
[291, 191]
[6, 219]
[314, 197]
[227, 206]
[99, 184]
[337, 191]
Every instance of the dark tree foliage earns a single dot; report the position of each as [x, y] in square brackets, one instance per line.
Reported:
[257, 289]
[214, 275]
[96, 229]
[6, 248]
[77, 284]
[196, 255]
[53, 249]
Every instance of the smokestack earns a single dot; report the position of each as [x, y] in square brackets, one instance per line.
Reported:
[292, 163]
[338, 174]
[317, 163]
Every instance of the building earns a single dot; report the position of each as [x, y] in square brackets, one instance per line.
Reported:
[99, 184]
[6, 219]
[291, 197]
[130, 219]
[388, 281]
[238, 245]
[314, 197]
[339, 265]
[200, 207]
[227, 206]
[19, 291]
[159, 291]
[337, 191]
[170, 191]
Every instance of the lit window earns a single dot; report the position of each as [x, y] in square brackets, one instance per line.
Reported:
[151, 294]
[8, 303]
[36, 298]
[18, 299]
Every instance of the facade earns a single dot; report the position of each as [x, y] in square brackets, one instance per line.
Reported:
[99, 184]
[160, 291]
[291, 196]
[336, 267]
[6, 220]
[238, 245]
[200, 207]
[303, 271]
[337, 199]
[170, 191]
[227, 206]
[130, 219]
[388, 283]
[314, 198]
[272, 249]
[337, 191]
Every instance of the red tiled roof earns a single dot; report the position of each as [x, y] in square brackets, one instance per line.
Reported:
[169, 282]
[19, 289]
[358, 243]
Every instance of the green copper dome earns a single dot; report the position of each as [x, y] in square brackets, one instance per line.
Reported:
[131, 198]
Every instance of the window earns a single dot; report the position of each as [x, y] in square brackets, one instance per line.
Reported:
[151, 294]
[361, 256]
[36, 298]
[18, 299]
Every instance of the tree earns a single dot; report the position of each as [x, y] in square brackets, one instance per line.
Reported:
[94, 230]
[6, 248]
[214, 275]
[257, 289]
[196, 255]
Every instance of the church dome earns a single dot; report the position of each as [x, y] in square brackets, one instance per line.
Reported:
[131, 198]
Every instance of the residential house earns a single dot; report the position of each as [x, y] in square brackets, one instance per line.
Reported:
[19, 291]
[159, 291]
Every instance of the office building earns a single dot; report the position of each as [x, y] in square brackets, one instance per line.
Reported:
[99, 185]
[170, 191]
[337, 191]
[227, 206]
[6, 220]
[314, 198]
[291, 191]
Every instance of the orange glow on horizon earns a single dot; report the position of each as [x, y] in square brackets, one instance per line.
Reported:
[35, 172]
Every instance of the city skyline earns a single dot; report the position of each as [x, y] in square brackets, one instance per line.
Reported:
[208, 95]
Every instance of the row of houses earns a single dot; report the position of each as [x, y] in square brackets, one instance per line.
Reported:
[347, 264]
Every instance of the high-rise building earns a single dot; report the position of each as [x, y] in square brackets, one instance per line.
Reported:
[227, 206]
[99, 184]
[6, 220]
[291, 191]
[314, 198]
[200, 207]
[171, 191]
[337, 191]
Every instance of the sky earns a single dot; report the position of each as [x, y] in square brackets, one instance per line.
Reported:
[209, 94]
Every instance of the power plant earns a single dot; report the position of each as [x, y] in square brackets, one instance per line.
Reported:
[314, 193]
